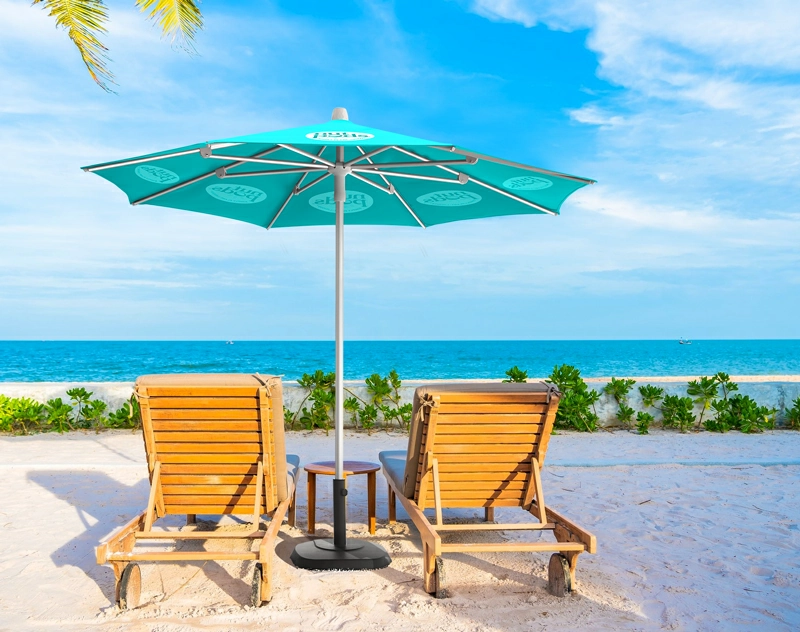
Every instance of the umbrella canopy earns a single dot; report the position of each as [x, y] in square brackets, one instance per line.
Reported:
[281, 179]
[338, 173]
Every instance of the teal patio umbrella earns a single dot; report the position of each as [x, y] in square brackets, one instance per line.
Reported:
[338, 173]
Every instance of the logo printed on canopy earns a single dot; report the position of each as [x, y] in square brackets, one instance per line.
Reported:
[159, 175]
[236, 193]
[339, 136]
[527, 183]
[449, 198]
[354, 203]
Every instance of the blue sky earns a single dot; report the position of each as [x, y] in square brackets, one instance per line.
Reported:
[687, 114]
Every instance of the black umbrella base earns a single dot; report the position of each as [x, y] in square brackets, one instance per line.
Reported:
[322, 555]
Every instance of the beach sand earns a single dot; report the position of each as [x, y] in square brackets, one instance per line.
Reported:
[711, 544]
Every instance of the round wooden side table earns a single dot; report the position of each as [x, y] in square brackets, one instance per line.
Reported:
[351, 468]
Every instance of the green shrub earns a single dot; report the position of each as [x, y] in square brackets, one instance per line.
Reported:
[619, 389]
[651, 395]
[625, 415]
[515, 374]
[643, 421]
[384, 400]
[741, 412]
[704, 391]
[21, 415]
[319, 393]
[576, 408]
[678, 412]
[127, 416]
[793, 415]
[59, 415]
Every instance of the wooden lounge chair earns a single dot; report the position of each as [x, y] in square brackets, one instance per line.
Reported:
[481, 445]
[214, 445]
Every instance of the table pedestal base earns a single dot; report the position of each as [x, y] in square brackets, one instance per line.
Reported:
[323, 555]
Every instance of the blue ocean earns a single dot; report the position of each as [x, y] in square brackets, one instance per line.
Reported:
[55, 361]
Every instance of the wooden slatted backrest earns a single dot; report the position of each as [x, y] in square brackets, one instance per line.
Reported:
[209, 432]
[484, 437]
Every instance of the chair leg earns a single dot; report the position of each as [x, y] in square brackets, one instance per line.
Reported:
[428, 569]
[572, 558]
[489, 514]
[392, 506]
[293, 508]
[266, 579]
[191, 519]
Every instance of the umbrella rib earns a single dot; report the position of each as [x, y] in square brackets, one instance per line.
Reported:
[369, 160]
[394, 189]
[509, 163]
[317, 158]
[516, 198]
[273, 172]
[366, 155]
[180, 185]
[389, 189]
[311, 184]
[136, 161]
[408, 208]
[261, 161]
[404, 165]
[291, 195]
[486, 185]
[414, 176]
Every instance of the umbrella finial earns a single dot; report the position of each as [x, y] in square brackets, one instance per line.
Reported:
[339, 114]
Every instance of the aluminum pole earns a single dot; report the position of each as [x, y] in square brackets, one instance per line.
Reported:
[339, 196]
[339, 489]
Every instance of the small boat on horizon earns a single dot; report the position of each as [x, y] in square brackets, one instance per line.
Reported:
[684, 342]
[230, 342]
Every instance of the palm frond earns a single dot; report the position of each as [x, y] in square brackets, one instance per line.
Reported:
[178, 19]
[84, 21]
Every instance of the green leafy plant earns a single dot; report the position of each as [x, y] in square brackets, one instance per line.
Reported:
[724, 381]
[80, 399]
[319, 393]
[793, 415]
[619, 390]
[651, 395]
[368, 417]
[20, 415]
[59, 415]
[515, 374]
[127, 416]
[378, 388]
[725, 417]
[704, 391]
[643, 421]
[576, 408]
[384, 398]
[678, 412]
[741, 412]
[323, 402]
[625, 415]
[352, 405]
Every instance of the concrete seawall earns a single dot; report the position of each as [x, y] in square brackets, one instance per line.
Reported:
[777, 391]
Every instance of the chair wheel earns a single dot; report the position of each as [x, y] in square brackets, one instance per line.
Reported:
[130, 587]
[559, 580]
[255, 594]
[439, 578]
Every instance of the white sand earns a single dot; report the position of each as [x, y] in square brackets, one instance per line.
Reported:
[682, 547]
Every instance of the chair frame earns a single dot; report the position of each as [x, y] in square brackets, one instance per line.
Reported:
[571, 540]
[118, 547]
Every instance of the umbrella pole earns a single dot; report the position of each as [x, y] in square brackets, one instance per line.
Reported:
[339, 489]
[339, 553]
